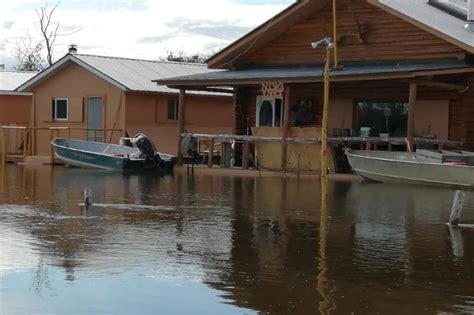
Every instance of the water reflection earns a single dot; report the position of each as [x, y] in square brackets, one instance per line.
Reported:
[229, 245]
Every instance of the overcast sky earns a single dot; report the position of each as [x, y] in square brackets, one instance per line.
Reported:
[143, 29]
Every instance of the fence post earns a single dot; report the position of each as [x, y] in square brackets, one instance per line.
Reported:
[211, 153]
[51, 156]
[245, 155]
[2, 148]
[25, 144]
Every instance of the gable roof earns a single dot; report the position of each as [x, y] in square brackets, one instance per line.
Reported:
[264, 33]
[131, 75]
[10, 80]
[417, 12]
[433, 20]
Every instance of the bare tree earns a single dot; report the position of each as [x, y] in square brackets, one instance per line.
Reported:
[28, 55]
[48, 28]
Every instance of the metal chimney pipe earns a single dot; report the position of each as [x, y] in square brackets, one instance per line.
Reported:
[470, 15]
[72, 49]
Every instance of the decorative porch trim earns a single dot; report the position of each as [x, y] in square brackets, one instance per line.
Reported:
[273, 89]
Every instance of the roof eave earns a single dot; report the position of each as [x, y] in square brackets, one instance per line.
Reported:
[177, 84]
[247, 43]
[57, 66]
[423, 26]
[3, 92]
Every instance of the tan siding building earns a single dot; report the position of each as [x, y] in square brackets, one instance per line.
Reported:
[116, 94]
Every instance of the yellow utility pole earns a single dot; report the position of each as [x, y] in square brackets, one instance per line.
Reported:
[327, 43]
[334, 33]
[324, 132]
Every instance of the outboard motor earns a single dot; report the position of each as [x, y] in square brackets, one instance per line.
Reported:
[147, 148]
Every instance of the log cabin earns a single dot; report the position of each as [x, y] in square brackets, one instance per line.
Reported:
[102, 98]
[399, 70]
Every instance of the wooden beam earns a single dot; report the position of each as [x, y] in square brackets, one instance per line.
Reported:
[210, 158]
[246, 155]
[285, 128]
[215, 90]
[440, 85]
[411, 117]
[181, 118]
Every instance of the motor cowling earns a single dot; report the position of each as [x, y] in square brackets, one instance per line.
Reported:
[146, 147]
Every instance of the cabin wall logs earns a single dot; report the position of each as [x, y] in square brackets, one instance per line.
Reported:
[365, 33]
[461, 105]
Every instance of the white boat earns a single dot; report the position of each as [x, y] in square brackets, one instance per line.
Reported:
[423, 167]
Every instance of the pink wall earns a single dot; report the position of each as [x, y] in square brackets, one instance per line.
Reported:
[147, 113]
[76, 84]
[15, 109]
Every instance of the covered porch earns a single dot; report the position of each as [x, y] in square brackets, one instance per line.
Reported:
[278, 111]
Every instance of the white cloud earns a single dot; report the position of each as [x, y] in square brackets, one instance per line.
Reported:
[179, 25]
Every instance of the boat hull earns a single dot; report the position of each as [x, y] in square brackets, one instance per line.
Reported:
[399, 167]
[106, 156]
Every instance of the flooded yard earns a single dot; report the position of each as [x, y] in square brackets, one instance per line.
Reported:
[213, 244]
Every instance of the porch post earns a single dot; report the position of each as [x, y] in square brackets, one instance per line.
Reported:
[181, 105]
[411, 117]
[285, 126]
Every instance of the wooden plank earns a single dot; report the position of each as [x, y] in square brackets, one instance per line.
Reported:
[210, 157]
[411, 117]
[246, 155]
[286, 123]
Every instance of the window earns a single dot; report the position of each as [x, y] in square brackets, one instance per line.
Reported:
[269, 112]
[173, 108]
[60, 108]
[383, 117]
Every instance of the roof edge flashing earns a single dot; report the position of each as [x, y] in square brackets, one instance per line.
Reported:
[470, 10]
[452, 8]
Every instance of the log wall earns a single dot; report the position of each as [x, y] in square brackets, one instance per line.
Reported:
[365, 32]
[461, 105]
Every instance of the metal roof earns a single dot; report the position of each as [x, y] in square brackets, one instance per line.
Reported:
[313, 73]
[438, 21]
[124, 73]
[10, 80]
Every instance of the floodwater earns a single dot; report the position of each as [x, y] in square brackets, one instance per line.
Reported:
[228, 245]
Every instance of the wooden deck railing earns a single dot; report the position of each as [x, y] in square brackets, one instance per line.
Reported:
[366, 142]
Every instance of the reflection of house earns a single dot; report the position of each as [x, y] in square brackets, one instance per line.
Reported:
[96, 92]
[15, 107]
[389, 53]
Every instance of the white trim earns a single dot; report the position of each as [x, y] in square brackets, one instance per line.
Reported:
[55, 99]
[260, 100]
[15, 93]
[28, 85]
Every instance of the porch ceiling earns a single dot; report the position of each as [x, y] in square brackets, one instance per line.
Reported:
[314, 73]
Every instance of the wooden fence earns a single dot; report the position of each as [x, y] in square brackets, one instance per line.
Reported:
[23, 138]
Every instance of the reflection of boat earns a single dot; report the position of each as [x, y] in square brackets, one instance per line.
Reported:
[415, 168]
[88, 154]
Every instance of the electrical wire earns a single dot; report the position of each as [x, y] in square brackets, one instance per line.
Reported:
[269, 23]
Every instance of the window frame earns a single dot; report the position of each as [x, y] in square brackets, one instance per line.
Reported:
[176, 109]
[273, 100]
[55, 108]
